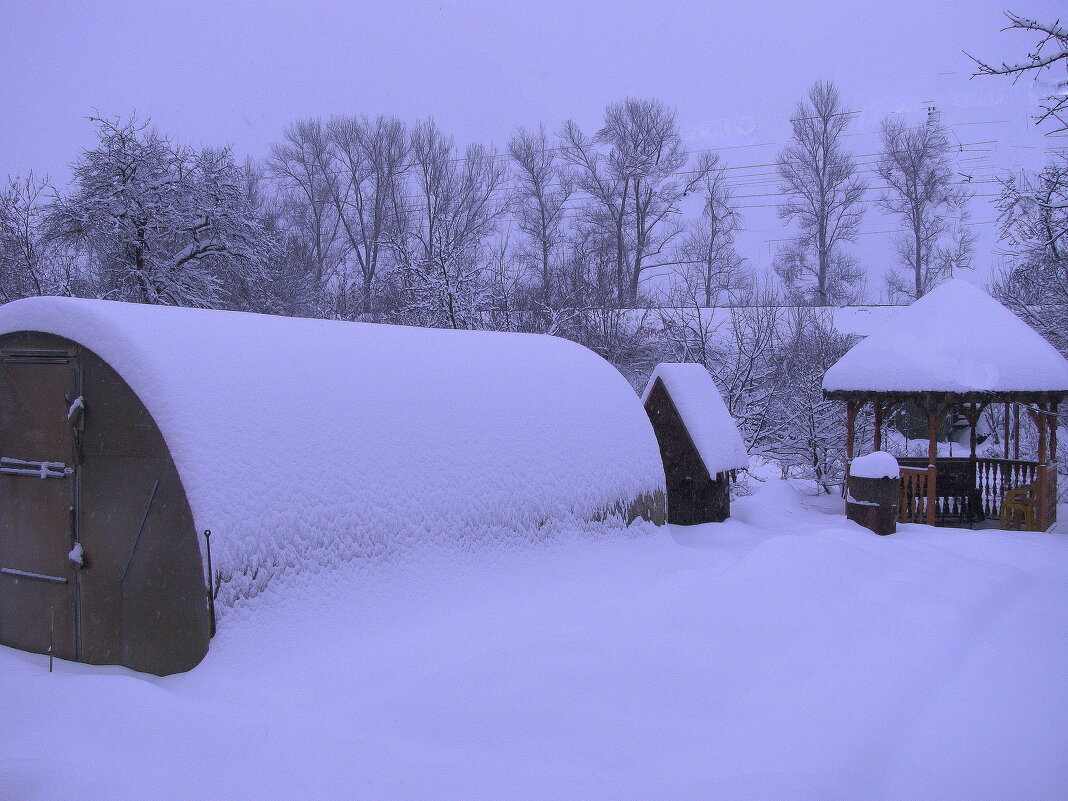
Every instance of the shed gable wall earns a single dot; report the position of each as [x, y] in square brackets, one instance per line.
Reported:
[693, 495]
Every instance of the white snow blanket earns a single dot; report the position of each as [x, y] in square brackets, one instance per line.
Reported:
[710, 425]
[302, 443]
[956, 338]
[877, 464]
[785, 654]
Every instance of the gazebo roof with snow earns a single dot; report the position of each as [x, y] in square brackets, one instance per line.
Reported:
[957, 342]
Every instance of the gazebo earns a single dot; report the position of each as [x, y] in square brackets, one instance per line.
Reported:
[956, 349]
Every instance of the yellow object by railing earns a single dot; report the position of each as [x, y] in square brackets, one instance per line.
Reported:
[1018, 508]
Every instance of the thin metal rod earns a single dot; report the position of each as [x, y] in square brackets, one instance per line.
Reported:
[10, 571]
[140, 530]
[211, 582]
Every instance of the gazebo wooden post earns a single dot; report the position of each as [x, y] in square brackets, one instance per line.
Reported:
[932, 424]
[1053, 433]
[852, 410]
[1040, 418]
[1006, 438]
[1016, 431]
[1051, 480]
[878, 443]
[972, 414]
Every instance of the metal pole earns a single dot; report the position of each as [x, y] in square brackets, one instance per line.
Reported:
[211, 583]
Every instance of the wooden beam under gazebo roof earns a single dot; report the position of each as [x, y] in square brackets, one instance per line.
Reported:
[958, 349]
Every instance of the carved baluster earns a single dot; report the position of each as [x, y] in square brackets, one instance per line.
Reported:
[981, 467]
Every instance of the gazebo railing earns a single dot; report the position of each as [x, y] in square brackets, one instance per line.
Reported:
[970, 490]
[912, 498]
[965, 490]
[995, 477]
[957, 497]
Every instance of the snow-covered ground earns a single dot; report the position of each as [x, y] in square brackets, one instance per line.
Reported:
[785, 654]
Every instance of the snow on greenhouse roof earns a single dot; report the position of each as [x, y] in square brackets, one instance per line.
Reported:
[956, 338]
[308, 442]
[710, 425]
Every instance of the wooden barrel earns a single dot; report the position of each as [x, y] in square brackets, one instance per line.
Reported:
[872, 502]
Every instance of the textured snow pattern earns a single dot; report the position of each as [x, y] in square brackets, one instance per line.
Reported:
[956, 338]
[302, 443]
[878, 464]
[707, 420]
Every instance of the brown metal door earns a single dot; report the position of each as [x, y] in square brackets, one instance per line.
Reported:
[38, 584]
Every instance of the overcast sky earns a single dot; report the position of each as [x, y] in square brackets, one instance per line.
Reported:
[237, 72]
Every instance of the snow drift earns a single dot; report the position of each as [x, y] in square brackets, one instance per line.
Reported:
[786, 654]
[303, 443]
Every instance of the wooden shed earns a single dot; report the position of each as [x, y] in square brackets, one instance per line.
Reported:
[128, 431]
[699, 442]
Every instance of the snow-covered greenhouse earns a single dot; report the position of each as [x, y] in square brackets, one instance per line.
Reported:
[957, 351]
[127, 431]
[699, 442]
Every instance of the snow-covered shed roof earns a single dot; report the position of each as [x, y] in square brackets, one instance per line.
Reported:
[956, 338]
[710, 426]
[316, 441]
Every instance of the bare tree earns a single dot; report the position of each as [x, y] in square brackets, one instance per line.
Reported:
[707, 252]
[160, 223]
[1034, 208]
[1050, 52]
[369, 161]
[748, 373]
[808, 427]
[286, 283]
[455, 205]
[24, 268]
[301, 164]
[797, 265]
[690, 325]
[1034, 224]
[823, 196]
[916, 166]
[543, 186]
[631, 173]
